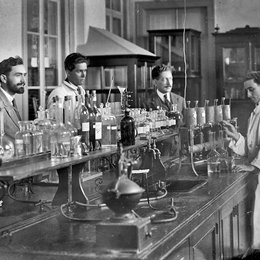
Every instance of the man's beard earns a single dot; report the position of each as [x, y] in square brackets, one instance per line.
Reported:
[20, 90]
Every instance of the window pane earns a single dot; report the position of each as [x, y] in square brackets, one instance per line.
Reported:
[162, 48]
[108, 2]
[116, 5]
[107, 23]
[177, 56]
[34, 101]
[50, 61]
[33, 15]
[50, 17]
[33, 59]
[117, 26]
[257, 59]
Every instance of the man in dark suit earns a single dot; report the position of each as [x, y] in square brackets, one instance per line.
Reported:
[162, 97]
[12, 80]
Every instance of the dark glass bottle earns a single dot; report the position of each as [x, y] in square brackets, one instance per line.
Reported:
[127, 128]
[174, 117]
[92, 121]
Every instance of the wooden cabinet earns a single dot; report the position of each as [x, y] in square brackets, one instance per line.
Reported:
[131, 73]
[225, 233]
[180, 49]
[237, 52]
[205, 240]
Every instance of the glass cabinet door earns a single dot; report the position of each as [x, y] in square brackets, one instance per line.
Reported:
[161, 48]
[43, 58]
[235, 67]
[256, 59]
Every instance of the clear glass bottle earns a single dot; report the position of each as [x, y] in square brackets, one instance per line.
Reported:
[19, 144]
[44, 125]
[52, 109]
[77, 112]
[85, 128]
[106, 125]
[59, 109]
[27, 138]
[98, 123]
[37, 139]
[113, 127]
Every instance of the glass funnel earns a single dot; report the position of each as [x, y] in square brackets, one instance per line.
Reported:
[123, 97]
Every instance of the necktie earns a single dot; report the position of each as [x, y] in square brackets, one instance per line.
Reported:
[167, 102]
[16, 109]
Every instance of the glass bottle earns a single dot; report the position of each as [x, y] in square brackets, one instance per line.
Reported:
[92, 137]
[37, 139]
[77, 112]
[27, 138]
[127, 129]
[19, 144]
[106, 125]
[98, 123]
[85, 128]
[59, 109]
[60, 139]
[174, 116]
[6, 145]
[52, 109]
[44, 125]
[113, 127]
[213, 162]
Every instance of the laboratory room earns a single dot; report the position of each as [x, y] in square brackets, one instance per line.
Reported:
[129, 129]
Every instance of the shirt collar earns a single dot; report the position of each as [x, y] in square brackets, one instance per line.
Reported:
[257, 109]
[8, 96]
[161, 95]
[71, 85]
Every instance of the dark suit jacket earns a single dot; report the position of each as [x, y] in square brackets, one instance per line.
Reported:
[154, 101]
[10, 117]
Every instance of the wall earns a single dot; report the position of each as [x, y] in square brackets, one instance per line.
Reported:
[11, 28]
[94, 15]
[230, 14]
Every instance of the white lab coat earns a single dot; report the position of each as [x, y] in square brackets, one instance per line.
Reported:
[249, 147]
[67, 89]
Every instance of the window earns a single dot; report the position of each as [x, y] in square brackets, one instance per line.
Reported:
[114, 16]
[42, 57]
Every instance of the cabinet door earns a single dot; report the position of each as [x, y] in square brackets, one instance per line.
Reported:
[205, 240]
[181, 253]
[242, 219]
[227, 229]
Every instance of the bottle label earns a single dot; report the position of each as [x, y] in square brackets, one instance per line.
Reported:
[19, 147]
[85, 127]
[98, 130]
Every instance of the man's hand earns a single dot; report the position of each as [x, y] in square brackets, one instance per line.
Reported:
[230, 130]
[243, 168]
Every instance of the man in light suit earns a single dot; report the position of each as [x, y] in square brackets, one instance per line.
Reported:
[12, 80]
[249, 146]
[162, 97]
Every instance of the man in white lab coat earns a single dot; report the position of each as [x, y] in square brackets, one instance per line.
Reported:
[249, 146]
